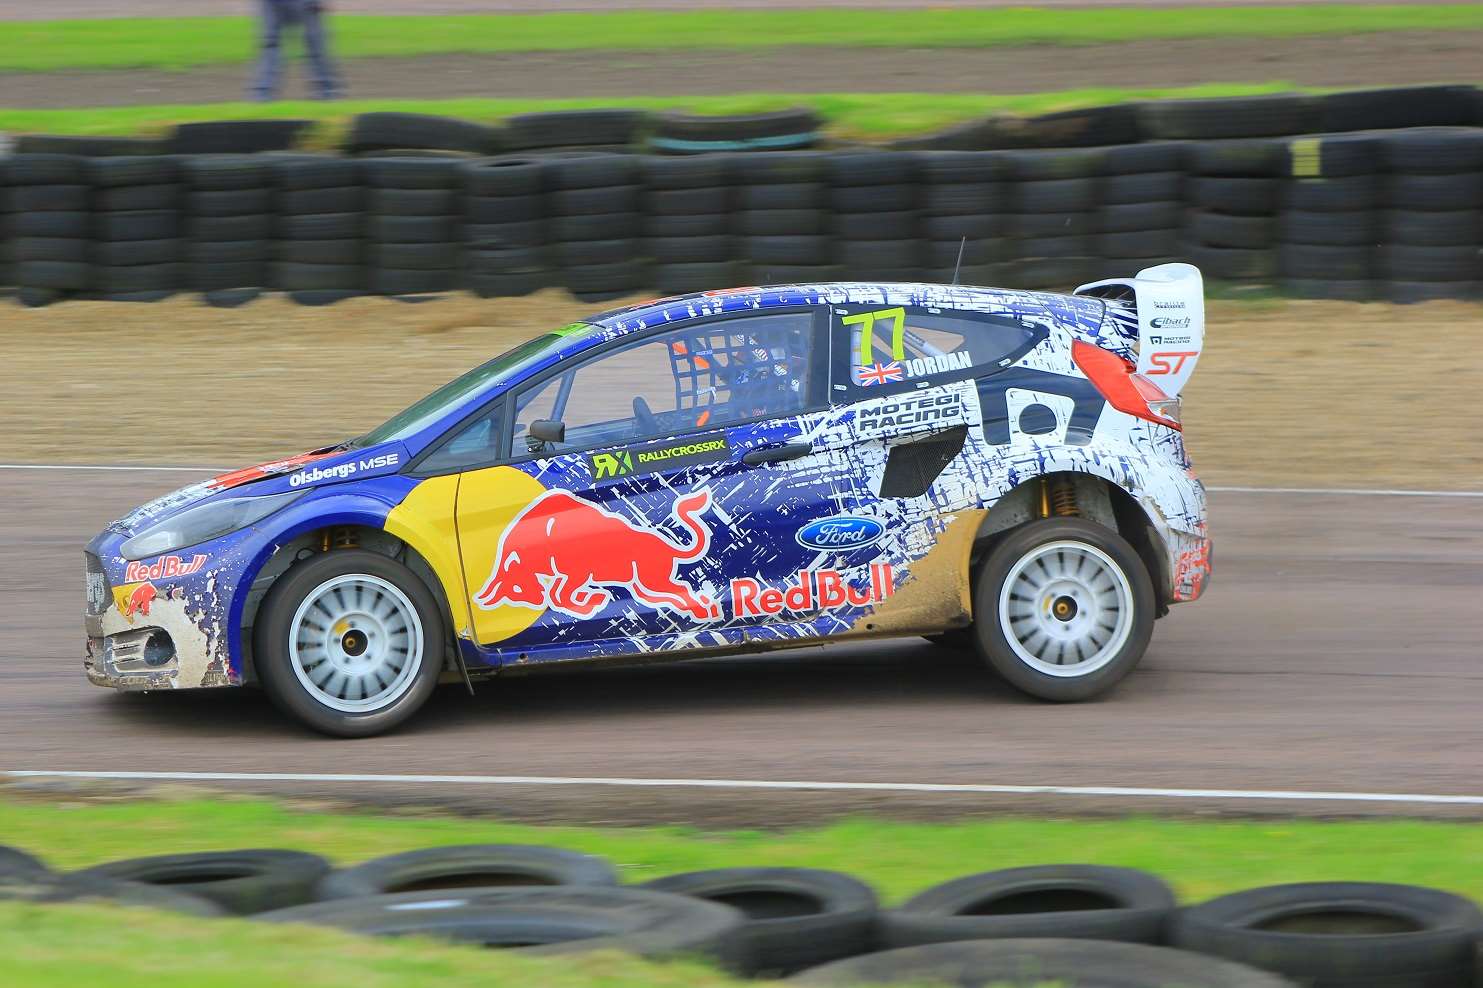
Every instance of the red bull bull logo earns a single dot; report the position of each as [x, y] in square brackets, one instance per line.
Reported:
[561, 552]
[139, 600]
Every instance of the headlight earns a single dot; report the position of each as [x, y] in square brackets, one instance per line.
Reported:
[203, 523]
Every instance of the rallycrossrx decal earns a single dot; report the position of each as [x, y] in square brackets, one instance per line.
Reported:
[911, 410]
[814, 591]
[659, 456]
[164, 568]
[342, 471]
[839, 533]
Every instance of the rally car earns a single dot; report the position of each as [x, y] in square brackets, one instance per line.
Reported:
[708, 474]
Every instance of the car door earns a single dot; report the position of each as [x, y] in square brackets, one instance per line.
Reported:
[665, 510]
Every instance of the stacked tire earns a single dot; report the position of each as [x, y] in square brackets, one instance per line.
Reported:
[1433, 224]
[412, 225]
[1142, 205]
[385, 134]
[782, 217]
[584, 131]
[7, 228]
[781, 130]
[230, 205]
[505, 227]
[963, 208]
[877, 215]
[53, 226]
[1236, 192]
[137, 226]
[1329, 224]
[1054, 197]
[687, 218]
[596, 223]
[319, 241]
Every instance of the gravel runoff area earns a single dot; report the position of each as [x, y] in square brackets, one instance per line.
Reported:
[1288, 393]
[1402, 58]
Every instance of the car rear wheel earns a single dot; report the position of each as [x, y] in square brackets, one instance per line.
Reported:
[1063, 609]
[350, 642]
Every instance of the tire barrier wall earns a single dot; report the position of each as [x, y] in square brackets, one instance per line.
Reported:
[1394, 215]
[1074, 923]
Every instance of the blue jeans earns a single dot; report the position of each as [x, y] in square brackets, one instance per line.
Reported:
[276, 16]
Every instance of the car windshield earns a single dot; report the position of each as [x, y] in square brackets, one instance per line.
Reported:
[502, 368]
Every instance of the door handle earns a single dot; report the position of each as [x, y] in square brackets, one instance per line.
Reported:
[776, 454]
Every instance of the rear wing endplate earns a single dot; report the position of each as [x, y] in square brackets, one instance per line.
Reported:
[1170, 304]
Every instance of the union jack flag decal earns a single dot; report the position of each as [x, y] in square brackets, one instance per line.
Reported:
[879, 373]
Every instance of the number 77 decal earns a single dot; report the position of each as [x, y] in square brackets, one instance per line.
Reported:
[866, 322]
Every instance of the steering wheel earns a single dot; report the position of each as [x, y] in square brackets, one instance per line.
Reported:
[643, 416]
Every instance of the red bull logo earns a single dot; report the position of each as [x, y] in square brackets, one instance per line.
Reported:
[164, 568]
[560, 553]
[139, 600]
[813, 590]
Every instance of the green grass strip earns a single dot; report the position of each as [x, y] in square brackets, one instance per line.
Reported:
[178, 43]
[1199, 858]
[864, 115]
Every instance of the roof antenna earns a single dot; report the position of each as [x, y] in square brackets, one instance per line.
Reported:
[959, 266]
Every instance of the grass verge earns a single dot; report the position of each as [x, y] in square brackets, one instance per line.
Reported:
[847, 115]
[1200, 859]
[177, 43]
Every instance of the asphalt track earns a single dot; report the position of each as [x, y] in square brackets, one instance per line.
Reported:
[1338, 651]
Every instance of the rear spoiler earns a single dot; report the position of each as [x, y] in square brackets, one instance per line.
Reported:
[1169, 303]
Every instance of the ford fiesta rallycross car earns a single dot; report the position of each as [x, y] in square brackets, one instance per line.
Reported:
[714, 473]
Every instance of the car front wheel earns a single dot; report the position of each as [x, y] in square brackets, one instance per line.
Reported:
[349, 642]
[1063, 609]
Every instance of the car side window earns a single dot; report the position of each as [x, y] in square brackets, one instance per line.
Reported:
[711, 374]
[474, 444]
[888, 349]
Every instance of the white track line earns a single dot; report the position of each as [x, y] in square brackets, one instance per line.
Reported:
[540, 780]
[1226, 490]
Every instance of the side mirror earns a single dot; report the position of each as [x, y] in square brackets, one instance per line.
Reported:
[543, 431]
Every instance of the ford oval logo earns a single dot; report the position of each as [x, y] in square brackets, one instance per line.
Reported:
[840, 533]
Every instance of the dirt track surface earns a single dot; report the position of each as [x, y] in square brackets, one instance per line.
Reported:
[1361, 60]
[1336, 650]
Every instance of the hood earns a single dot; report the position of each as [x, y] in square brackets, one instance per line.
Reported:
[328, 465]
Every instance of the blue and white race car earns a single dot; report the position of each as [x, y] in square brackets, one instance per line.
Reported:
[710, 474]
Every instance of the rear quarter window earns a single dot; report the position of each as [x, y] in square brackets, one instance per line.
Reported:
[882, 350]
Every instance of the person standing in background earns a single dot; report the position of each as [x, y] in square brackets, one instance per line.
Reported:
[276, 15]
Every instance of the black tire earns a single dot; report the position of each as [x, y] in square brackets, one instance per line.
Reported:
[1438, 192]
[1400, 262]
[230, 202]
[1340, 291]
[508, 176]
[236, 136]
[508, 285]
[1138, 244]
[1084, 902]
[140, 278]
[572, 127]
[1320, 263]
[791, 274]
[1356, 229]
[743, 127]
[1092, 127]
[350, 226]
[415, 202]
[230, 298]
[607, 199]
[304, 173]
[470, 866]
[1023, 963]
[1332, 934]
[561, 920]
[414, 257]
[781, 168]
[205, 252]
[136, 197]
[796, 917]
[1142, 187]
[492, 259]
[962, 167]
[1259, 158]
[596, 226]
[871, 168]
[874, 198]
[424, 174]
[223, 275]
[1457, 228]
[702, 226]
[1224, 230]
[503, 209]
[1406, 106]
[322, 296]
[619, 277]
[700, 171]
[72, 250]
[787, 250]
[592, 171]
[700, 276]
[782, 195]
[395, 229]
[273, 662]
[993, 644]
[382, 130]
[241, 882]
[1074, 245]
[48, 889]
[108, 173]
[521, 234]
[1136, 159]
[1069, 195]
[974, 227]
[781, 222]
[584, 253]
[319, 252]
[1026, 226]
[962, 197]
[1428, 151]
[316, 202]
[17, 862]
[52, 198]
[944, 254]
[401, 281]
[1246, 116]
[59, 275]
[1242, 196]
[1233, 263]
[1054, 165]
[1133, 217]
[690, 250]
[296, 276]
[89, 147]
[900, 225]
[687, 202]
[226, 173]
[46, 169]
[1333, 195]
[1050, 272]
[151, 225]
[896, 259]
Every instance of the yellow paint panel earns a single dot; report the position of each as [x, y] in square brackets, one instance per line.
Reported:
[488, 500]
[425, 521]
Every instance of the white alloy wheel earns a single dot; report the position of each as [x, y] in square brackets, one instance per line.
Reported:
[356, 643]
[1066, 609]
